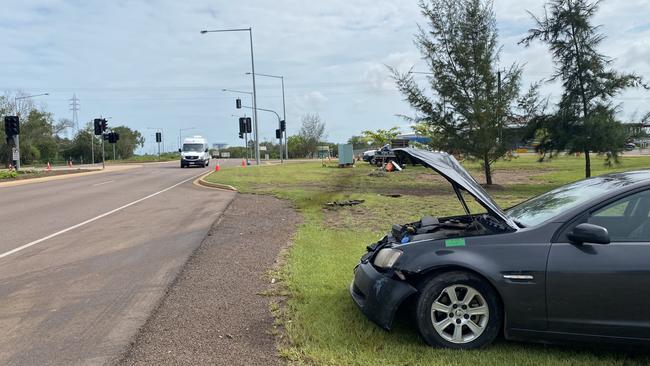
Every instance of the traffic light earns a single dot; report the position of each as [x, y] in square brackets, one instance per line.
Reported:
[241, 135]
[113, 137]
[283, 126]
[242, 125]
[104, 124]
[12, 126]
[158, 136]
[278, 134]
[238, 103]
[249, 125]
[98, 126]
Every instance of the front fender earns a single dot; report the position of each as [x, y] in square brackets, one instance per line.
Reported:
[524, 302]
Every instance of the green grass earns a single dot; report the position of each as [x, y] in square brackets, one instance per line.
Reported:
[322, 323]
[147, 158]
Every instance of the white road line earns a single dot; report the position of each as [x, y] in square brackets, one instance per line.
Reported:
[22, 247]
[102, 183]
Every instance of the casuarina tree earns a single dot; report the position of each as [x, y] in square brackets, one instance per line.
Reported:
[472, 97]
[584, 120]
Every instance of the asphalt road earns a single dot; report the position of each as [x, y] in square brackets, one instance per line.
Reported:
[84, 260]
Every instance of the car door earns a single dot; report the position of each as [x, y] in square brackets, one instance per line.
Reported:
[604, 289]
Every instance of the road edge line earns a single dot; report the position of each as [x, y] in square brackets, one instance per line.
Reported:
[38, 241]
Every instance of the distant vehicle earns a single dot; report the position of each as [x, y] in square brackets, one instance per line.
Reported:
[383, 156]
[367, 155]
[629, 146]
[195, 152]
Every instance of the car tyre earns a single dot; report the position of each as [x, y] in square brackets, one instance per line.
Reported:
[447, 318]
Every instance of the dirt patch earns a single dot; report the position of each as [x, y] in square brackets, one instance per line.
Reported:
[499, 176]
[214, 313]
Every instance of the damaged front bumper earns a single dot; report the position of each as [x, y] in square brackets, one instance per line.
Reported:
[378, 295]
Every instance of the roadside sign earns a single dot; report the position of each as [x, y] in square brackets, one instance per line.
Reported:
[225, 154]
[14, 153]
[262, 148]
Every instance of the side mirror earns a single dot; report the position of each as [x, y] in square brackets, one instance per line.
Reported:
[589, 233]
[179, 150]
[206, 150]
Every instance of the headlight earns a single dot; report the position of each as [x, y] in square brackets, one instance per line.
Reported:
[387, 257]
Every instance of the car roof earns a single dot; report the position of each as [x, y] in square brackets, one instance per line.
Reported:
[617, 184]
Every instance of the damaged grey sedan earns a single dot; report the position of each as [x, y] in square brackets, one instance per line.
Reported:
[571, 264]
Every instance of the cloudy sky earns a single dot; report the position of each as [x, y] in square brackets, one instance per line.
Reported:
[144, 63]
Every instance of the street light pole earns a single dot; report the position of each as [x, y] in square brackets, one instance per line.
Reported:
[284, 111]
[17, 137]
[250, 33]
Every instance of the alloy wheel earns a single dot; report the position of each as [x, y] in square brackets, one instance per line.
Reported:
[459, 314]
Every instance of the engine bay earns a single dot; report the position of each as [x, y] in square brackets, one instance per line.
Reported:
[432, 228]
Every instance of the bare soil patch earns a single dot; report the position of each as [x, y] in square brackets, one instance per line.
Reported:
[215, 312]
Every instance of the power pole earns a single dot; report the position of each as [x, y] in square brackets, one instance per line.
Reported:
[74, 107]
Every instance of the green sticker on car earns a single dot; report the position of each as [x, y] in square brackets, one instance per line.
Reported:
[458, 242]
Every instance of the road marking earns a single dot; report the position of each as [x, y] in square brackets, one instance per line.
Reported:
[102, 183]
[22, 247]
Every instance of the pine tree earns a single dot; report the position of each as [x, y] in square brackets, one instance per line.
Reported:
[584, 121]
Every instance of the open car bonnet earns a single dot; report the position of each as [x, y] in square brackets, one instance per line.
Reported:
[447, 166]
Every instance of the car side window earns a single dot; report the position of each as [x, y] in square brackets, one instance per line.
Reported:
[627, 219]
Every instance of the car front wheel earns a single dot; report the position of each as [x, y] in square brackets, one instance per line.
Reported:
[458, 310]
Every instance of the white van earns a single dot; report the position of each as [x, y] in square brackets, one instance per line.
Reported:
[194, 152]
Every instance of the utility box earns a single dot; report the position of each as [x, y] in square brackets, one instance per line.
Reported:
[346, 155]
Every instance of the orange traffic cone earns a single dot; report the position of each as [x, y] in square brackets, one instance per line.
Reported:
[243, 162]
[49, 167]
[217, 167]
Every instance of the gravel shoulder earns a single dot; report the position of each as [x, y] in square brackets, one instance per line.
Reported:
[213, 313]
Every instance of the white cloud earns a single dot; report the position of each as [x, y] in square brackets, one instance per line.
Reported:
[144, 62]
[378, 75]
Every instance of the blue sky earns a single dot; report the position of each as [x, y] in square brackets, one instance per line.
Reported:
[144, 63]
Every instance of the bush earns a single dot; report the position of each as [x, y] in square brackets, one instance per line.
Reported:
[8, 174]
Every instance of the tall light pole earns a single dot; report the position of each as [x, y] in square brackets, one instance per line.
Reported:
[284, 110]
[250, 33]
[17, 137]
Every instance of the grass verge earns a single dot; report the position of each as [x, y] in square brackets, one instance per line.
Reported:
[322, 324]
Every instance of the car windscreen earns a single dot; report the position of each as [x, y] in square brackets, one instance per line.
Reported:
[548, 205]
[193, 147]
